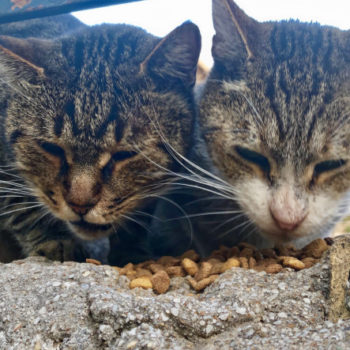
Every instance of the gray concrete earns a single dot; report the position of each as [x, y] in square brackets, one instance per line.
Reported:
[49, 305]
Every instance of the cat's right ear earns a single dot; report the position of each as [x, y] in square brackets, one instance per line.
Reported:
[174, 59]
[21, 58]
[234, 32]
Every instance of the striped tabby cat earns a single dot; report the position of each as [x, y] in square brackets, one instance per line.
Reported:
[275, 117]
[85, 119]
[274, 151]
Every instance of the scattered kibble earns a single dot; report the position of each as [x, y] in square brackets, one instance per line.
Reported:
[189, 266]
[142, 282]
[160, 282]
[201, 273]
[93, 261]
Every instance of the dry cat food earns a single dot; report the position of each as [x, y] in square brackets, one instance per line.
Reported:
[201, 273]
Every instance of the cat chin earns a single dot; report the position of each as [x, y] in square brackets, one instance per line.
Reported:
[90, 232]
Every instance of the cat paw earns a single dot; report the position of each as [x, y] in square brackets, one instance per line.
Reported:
[63, 250]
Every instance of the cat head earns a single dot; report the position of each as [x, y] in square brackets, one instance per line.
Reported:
[87, 118]
[275, 115]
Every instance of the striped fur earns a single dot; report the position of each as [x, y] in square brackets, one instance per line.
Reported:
[282, 90]
[81, 123]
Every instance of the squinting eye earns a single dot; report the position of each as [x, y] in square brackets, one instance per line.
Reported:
[121, 155]
[328, 165]
[255, 158]
[53, 149]
[116, 157]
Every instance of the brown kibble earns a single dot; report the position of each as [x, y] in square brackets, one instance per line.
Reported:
[243, 245]
[131, 274]
[316, 248]
[129, 266]
[251, 262]
[160, 282]
[189, 266]
[224, 251]
[267, 261]
[232, 262]
[217, 268]
[217, 256]
[198, 286]
[258, 256]
[273, 268]
[175, 271]
[145, 264]
[234, 251]
[193, 283]
[309, 261]
[168, 261]
[246, 252]
[284, 251]
[143, 273]
[156, 267]
[143, 282]
[294, 263]
[190, 254]
[205, 282]
[244, 262]
[203, 271]
[269, 253]
[213, 261]
[93, 261]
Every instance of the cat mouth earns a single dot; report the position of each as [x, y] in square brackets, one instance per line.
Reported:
[88, 230]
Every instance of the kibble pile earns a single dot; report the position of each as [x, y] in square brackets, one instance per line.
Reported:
[201, 273]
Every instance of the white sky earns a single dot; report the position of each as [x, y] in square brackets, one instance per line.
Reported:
[159, 17]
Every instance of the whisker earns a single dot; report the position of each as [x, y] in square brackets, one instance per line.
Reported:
[19, 209]
[205, 214]
[224, 234]
[241, 214]
[136, 221]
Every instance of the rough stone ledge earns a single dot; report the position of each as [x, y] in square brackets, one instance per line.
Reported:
[49, 305]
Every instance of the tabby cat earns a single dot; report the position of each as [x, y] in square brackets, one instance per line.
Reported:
[274, 116]
[85, 123]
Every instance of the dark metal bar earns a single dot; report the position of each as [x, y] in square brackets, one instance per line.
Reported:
[18, 10]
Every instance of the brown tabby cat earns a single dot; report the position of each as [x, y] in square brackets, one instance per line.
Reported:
[85, 120]
[275, 119]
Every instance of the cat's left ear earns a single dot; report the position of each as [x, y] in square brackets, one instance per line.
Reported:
[174, 59]
[24, 58]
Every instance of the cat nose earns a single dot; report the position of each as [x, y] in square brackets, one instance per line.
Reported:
[80, 209]
[287, 222]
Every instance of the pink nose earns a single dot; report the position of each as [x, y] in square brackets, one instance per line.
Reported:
[287, 222]
[80, 209]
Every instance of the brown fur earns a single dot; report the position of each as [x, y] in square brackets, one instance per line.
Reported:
[83, 125]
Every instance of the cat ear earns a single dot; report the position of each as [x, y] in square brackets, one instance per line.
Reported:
[23, 56]
[175, 57]
[235, 31]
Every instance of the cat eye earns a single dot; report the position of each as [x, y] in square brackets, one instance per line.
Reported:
[326, 166]
[255, 158]
[53, 149]
[122, 155]
[116, 157]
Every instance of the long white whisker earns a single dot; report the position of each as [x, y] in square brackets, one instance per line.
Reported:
[178, 207]
[136, 221]
[19, 209]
